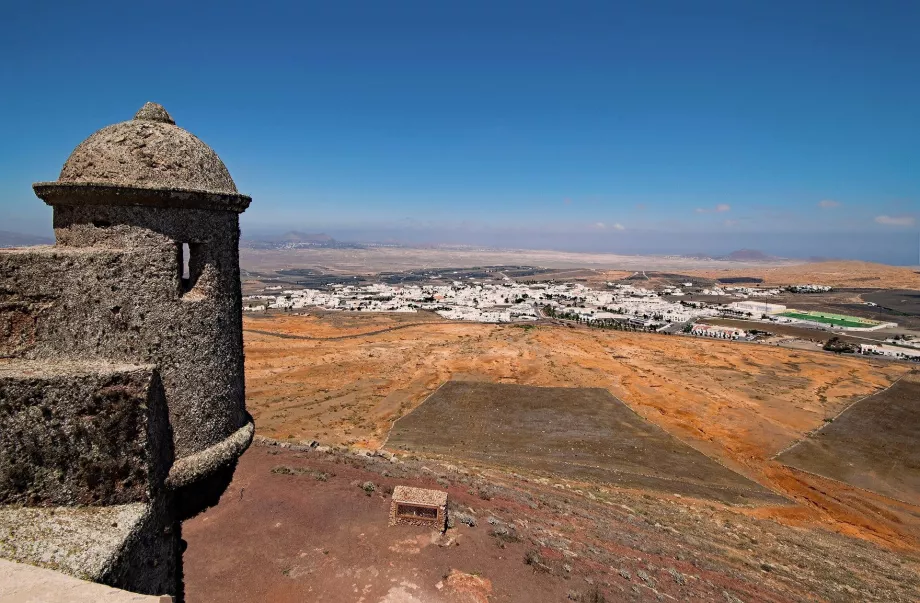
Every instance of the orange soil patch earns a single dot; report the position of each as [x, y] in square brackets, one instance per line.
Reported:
[469, 588]
[738, 403]
[834, 274]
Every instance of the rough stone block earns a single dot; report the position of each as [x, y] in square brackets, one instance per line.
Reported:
[81, 433]
[135, 546]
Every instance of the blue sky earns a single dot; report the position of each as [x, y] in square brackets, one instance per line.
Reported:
[648, 127]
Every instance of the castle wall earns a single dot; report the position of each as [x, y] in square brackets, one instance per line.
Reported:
[122, 403]
[81, 433]
[113, 288]
[136, 546]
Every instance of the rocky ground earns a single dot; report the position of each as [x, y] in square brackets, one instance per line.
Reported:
[301, 523]
[303, 527]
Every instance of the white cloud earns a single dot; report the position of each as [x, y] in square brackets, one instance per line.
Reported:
[730, 223]
[619, 226]
[718, 209]
[600, 225]
[895, 220]
[828, 203]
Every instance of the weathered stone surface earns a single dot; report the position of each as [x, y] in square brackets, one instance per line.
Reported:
[154, 112]
[135, 546]
[123, 377]
[81, 433]
[123, 297]
[81, 541]
[148, 151]
[83, 193]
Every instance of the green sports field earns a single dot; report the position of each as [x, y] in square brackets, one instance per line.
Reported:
[837, 320]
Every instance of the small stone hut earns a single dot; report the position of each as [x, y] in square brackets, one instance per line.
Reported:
[122, 407]
[418, 506]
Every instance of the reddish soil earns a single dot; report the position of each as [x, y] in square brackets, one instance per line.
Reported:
[278, 537]
[296, 525]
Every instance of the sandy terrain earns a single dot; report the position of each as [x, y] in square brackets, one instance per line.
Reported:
[348, 390]
[372, 261]
[834, 274]
[738, 403]
[594, 266]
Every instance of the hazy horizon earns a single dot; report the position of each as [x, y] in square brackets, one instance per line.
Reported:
[901, 249]
[894, 248]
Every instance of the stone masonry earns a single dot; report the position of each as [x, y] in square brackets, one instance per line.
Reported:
[122, 403]
[418, 506]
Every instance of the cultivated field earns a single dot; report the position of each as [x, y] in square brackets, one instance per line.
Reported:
[875, 444]
[789, 330]
[581, 433]
[901, 301]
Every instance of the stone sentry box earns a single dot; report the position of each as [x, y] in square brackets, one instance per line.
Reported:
[418, 506]
[121, 356]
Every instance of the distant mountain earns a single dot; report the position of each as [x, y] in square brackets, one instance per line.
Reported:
[18, 239]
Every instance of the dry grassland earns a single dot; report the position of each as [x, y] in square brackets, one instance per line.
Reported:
[834, 274]
[738, 403]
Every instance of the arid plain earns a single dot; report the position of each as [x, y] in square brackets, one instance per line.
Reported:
[344, 379]
[738, 403]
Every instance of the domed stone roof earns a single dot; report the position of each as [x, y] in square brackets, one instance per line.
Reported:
[150, 151]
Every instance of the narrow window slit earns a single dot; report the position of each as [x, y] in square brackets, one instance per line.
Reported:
[185, 258]
[190, 265]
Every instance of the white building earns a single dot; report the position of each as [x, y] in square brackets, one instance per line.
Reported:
[757, 308]
[717, 331]
[890, 351]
